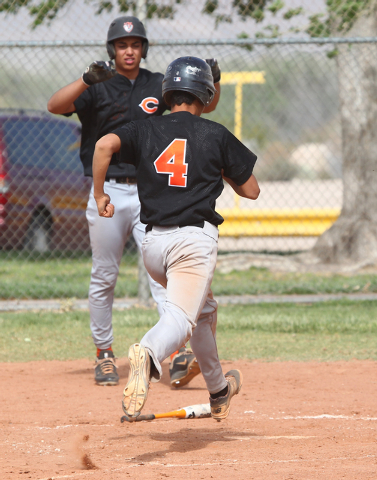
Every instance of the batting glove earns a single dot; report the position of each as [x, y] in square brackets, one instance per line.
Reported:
[98, 72]
[215, 68]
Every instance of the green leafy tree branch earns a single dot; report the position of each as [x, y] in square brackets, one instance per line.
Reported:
[339, 17]
[47, 10]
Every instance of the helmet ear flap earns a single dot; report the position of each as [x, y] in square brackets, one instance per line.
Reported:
[211, 95]
[110, 50]
[144, 49]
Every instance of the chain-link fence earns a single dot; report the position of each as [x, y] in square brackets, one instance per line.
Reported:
[280, 97]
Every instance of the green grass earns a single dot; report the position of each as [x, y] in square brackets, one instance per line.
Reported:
[67, 277]
[324, 331]
[258, 281]
[21, 276]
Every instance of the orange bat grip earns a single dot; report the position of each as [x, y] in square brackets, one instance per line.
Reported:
[173, 414]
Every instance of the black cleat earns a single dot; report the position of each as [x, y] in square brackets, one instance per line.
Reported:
[183, 368]
[105, 372]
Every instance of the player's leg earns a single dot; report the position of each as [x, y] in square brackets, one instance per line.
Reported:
[183, 261]
[138, 231]
[198, 253]
[203, 343]
[183, 366]
[107, 237]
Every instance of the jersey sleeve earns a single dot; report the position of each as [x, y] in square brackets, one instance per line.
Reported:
[83, 105]
[238, 160]
[128, 135]
[84, 101]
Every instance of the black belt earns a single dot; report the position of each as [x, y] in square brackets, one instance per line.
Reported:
[149, 227]
[127, 180]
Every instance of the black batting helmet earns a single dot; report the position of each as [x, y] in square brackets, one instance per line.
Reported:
[126, 27]
[189, 74]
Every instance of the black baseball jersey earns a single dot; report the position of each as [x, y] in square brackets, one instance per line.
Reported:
[179, 158]
[115, 102]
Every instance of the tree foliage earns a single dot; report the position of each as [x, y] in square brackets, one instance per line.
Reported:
[252, 9]
[339, 17]
[47, 10]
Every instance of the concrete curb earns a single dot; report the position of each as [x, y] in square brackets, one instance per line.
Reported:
[70, 304]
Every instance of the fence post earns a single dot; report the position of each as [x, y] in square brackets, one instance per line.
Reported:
[143, 284]
[141, 10]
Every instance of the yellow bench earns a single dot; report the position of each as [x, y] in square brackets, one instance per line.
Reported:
[276, 223]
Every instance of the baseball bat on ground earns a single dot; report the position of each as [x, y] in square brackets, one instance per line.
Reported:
[193, 411]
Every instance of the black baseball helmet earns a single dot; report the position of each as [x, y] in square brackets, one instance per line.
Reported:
[126, 27]
[189, 74]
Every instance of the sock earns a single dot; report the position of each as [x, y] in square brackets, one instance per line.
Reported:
[221, 393]
[173, 354]
[183, 348]
[99, 350]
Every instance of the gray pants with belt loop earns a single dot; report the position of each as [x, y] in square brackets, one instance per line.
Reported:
[183, 261]
[108, 237]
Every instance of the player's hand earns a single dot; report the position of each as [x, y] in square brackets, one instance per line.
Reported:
[215, 68]
[98, 72]
[105, 208]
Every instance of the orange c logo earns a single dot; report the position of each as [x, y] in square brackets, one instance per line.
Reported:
[149, 100]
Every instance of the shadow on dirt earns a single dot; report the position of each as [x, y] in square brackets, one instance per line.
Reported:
[186, 440]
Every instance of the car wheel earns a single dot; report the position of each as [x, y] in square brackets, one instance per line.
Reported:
[38, 236]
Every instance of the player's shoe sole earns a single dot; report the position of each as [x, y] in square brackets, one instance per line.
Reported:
[136, 391]
[183, 368]
[220, 407]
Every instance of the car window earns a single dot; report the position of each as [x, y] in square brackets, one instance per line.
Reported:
[43, 143]
[62, 142]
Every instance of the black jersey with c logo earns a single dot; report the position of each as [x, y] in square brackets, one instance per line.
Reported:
[111, 104]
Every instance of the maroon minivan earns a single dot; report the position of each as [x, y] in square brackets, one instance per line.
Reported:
[43, 192]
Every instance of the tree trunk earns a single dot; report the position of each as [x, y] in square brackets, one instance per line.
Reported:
[352, 239]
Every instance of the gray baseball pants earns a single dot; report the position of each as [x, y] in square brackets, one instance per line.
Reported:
[183, 260]
[108, 237]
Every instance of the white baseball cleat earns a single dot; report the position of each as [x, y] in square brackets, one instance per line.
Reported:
[136, 391]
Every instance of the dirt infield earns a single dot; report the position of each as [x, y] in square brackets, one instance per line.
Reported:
[290, 421]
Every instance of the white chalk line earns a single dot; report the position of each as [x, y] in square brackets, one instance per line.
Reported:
[253, 437]
[71, 426]
[323, 416]
[266, 437]
[319, 417]
[72, 475]
[215, 464]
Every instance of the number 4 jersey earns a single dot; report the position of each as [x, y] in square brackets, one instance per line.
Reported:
[179, 159]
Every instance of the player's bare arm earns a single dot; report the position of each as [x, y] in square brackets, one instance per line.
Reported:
[105, 148]
[216, 73]
[62, 101]
[215, 100]
[250, 189]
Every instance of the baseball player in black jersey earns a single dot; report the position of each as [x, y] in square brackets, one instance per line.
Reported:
[181, 160]
[105, 98]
